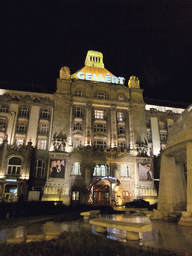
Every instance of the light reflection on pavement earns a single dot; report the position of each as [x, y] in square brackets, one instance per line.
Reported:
[165, 235]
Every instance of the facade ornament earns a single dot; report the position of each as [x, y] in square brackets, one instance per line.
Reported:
[59, 141]
[134, 82]
[64, 73]
[142, 148]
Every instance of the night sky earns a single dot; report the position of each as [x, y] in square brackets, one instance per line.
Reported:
[150, 39]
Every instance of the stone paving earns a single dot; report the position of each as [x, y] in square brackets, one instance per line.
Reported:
[165, 235]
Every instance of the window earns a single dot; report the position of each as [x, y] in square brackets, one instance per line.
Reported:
[42, 144]
[101, 95]
[75, 195]
[3, 126]
[78, 112]
[21, 127]
[4, 108]
[163, 136]
[20, 142]
[99, 114]
[77, 126]
[124, 170]
[45, 114]
[77, 143]
[149, 135]
[99, 128]
[39, 169]
[120, 129]
[14, 166]
[24, 112]
[120, 116]
[43, 128]
[122, 146]
[99, 145]
[101, 170]
[76, 167]
[79, 93]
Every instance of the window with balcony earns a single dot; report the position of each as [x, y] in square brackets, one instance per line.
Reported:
[14, 166]
[3, 126]
[80, 93]
[43, 129]
[4, 108]
[101, 170]
[42, 144]
[77, 127]
[39, 169]
[99, 128]
[23, 112]
[76, 169]
[21, 127]
[78, 112]
[101, 95]
[120, 116]
[99, 145]
[121, 130]
[99, 114]
[124, 170]
[45, 114]
[122, 146]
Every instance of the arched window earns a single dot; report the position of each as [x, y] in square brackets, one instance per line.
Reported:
[101, 170]
[39, 169]
[14, 166]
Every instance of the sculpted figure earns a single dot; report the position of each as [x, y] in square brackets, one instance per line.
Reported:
[64, 73]
[134, 82]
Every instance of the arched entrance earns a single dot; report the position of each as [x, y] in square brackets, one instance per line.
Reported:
[103, 190]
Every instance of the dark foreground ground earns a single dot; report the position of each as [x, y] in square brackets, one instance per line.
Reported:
[82, 243]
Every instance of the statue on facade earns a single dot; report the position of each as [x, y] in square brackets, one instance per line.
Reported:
[134, 82]
[64, 73]
[59, 141]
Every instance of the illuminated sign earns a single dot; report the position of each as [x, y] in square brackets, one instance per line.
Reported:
[99, 78]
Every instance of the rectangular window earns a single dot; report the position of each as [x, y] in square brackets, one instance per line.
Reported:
[42, 144]
[24, 112]
[101, 170]
[43, 128]
[124, 170]
[77, 126]
[78, 112]
[120, 116]
[122, 146]
[99, 145]
[76, 169]
[21, 127]
[4, 108]
[45, 114]
[120, 129]
[80, 93]
[99, 114]
[101, 95]
[75, 195]
[163, 136]
[3, 126]
[99, 128]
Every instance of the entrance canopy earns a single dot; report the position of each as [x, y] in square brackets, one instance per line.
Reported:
[109, 178]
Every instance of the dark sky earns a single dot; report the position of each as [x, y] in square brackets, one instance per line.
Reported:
[151, 39]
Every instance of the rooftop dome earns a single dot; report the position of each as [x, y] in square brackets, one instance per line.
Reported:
[182, 129]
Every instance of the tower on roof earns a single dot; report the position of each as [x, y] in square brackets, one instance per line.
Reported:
[94, 59]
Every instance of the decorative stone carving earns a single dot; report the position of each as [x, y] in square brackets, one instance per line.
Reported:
[134, 82]
[142, 148]
[64, 73]
[59, 141]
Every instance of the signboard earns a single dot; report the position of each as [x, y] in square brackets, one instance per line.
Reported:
[57, 168]
[100, 78]
[145, 172]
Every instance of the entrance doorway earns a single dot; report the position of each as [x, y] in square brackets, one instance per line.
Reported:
[10, 193]
[101, 194]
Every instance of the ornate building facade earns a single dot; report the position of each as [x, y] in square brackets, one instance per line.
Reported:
[92, 141]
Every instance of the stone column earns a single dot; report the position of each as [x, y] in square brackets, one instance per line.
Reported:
[113, 128]
[189, 177]
[131, 131]
[33, 125]
[155, 135]
[88, 125]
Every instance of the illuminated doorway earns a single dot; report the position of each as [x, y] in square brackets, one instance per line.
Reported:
[101, 194]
